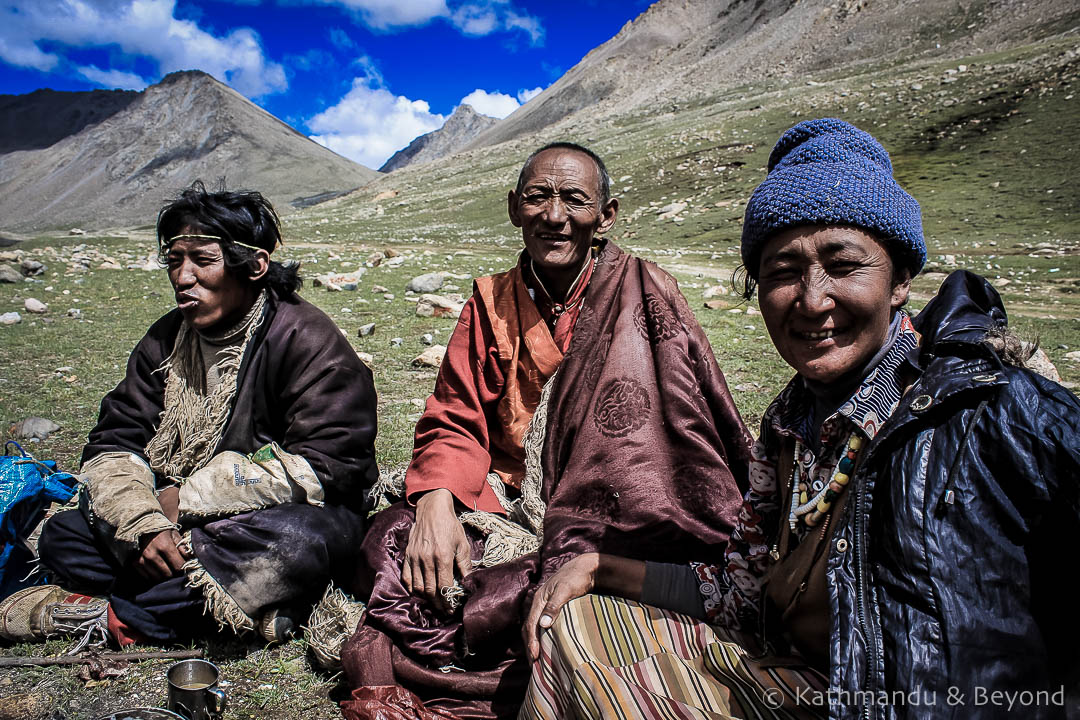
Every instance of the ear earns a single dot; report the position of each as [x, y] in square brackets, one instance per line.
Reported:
[607, 216]
[262, 264]
[901, 290]
[512, 208]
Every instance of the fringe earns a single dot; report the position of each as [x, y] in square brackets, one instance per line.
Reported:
[219, 604]
[192, 422]
[332, 623]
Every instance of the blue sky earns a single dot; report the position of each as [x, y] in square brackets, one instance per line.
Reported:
[363, 77]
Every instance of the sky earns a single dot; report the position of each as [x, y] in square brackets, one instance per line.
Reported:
[362, 77]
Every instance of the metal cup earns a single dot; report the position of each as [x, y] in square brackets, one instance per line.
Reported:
[193, 690]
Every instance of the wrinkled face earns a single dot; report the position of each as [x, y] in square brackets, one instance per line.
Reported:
[559, 211]
[210, 298]
[827, 296]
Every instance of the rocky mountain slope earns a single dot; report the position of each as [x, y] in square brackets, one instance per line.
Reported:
[461, 127]
[39, 119]
[682, 50]
[117, 172]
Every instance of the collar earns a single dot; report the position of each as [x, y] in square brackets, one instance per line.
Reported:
[867, 408]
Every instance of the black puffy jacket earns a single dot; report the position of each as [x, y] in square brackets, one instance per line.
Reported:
[953, 572]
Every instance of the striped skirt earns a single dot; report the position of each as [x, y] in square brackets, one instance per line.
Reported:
[606, 657]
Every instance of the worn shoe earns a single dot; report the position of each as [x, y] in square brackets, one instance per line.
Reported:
[277, 626]
[45, 611]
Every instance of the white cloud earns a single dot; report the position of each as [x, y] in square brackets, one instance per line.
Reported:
[112, 78]
[471, 17]
[525, 96]
[141, 28]
[370, 123]
[496, 104]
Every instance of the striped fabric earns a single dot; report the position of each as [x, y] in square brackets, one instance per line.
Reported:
[608, 658]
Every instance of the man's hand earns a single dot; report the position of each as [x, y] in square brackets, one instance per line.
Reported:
[169, 500]
[161, 557]
[437, 544]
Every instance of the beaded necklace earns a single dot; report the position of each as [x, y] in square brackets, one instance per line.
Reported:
[811, 510]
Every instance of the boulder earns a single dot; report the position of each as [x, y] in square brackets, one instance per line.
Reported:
[33, 305]
[428, 283]
[9, 274]
[33, 428]
[432, 357]
[10, 318]
[439, 306]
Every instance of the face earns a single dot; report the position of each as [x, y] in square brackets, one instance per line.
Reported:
[559, 211]
[206, 293]
[827, 296]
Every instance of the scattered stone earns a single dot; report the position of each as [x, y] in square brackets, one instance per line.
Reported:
[110, 265]
[350, 286]
[388, 296]
[429, 283]
[395, 261]
[367, 358]
[32, 268]
[76, 231]
[751, 310]
[1001, 282]
[391, 253]
[375, 258]
[668, 212]
[439, 306]
[366, 330]
[717, 304]
[9, 274]
[1041, 363]
[385, 195]
[379, 289]
[395, 342]
[338, 281]
[432, 357]
[1073, 356]
[33, 427]
[714, 291]
[427, 339]
[74, 313]
[10, 318]
[34, 305]
[950, 259]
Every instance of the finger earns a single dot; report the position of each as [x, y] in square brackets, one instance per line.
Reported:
[431, 580]
[463, 557]
[445, 579]
[174, 560]
[532, 644]
[406, 575]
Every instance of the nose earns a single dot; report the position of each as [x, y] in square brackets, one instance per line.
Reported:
[815, 295]
[183, 275]
[555, 211]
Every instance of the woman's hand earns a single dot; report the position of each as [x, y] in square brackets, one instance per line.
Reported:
[574, 579]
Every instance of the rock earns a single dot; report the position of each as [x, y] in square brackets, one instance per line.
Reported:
[714, 291]
[76, 231]
[350, 286]
[379, 289]
[950, 259]
[33, 427]
[388, 296]
[74, 313]
[32, 268]
[1001, 283]
[366, 330]
[717, 304]
[9, 274]
[428, 283]
[368, 358]
[34, 305]
[751, 310]
[1073, 356]
[1041, 363]
[427, 338]
[432, 357]
[110, 265]
[395, 342]
[375, 258]
[391, 253]
[385, 195]
[395, 261]
[25, 706]
[10, 318]
[439, 306]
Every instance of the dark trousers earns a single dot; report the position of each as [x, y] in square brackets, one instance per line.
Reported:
[164, 611]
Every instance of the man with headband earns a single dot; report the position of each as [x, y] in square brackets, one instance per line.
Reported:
[228, 473]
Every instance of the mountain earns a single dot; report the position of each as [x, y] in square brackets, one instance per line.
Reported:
[39, 119]
[119, 170]
[456, 132]
[686, 50]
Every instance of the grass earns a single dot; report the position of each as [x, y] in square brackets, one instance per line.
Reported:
[988, 152]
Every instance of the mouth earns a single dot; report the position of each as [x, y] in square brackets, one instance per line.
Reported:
[553, 237]
[186, 302]
[816, 335]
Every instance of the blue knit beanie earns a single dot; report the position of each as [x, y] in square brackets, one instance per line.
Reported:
[829, 172]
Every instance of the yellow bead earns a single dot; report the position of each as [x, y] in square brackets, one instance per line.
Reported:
[855, 443]
[823, 507]
[803, 499]
[841, 478]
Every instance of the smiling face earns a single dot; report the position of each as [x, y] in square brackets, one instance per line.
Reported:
[827, 296]
[208, 295]
[559, 212]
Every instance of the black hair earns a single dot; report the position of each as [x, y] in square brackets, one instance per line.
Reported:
[239, 216]
[601, 170]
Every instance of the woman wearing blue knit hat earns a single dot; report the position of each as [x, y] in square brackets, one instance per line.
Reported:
[911, 497]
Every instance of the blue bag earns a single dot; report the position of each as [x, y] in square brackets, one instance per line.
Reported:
[27, 487]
